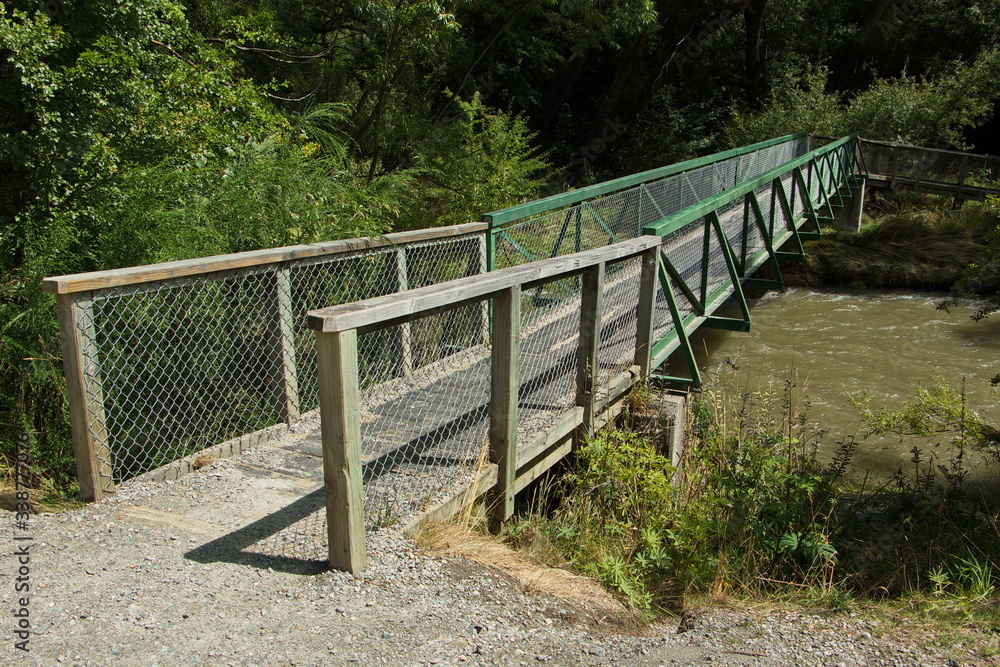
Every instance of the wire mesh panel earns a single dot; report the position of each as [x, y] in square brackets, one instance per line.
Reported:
[357, 276]
[619, 322]
[187, 364]
[175, 366]
[913, 163]
[623, 215]
[718, 268]
[425, 431]
[547, 362]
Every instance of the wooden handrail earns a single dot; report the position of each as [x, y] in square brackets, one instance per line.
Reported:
[81, 282]
[894, 144]
[393, 308]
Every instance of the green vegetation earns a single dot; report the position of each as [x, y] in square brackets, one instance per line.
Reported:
[752, 514]
[914, 242]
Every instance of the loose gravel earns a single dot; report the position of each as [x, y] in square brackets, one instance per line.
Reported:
[200, 572]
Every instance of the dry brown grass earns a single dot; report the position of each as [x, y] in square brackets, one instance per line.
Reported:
[39, 499]
[462, 537]
[202, 461]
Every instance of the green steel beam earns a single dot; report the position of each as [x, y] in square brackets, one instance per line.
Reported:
[786, 209]
[706, 255]
[745, 236]
[503, 216]
[491, 252]
[734, 275]
[764, 283]
[682, 218]
[674, 275]
[562, 231]
[528, 255]
[843, 171]
[835, 178]
[767, 237]
[679, 328]
[727, 324]
[600, 221]
[651, 199]
[820, 182]
[808, 199]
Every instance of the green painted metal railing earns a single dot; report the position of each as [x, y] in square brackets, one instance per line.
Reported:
[617, 210]
[721, 218]
[711, 248]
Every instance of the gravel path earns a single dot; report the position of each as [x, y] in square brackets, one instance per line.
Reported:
[200, 572]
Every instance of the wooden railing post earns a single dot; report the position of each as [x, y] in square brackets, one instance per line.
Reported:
[591, 308]
[484, 308]
[283, 337]
[892, 167]
[648, 277]
[405, 333]
[962, 175]
[85, 395]
[337, 361]
[504, 382]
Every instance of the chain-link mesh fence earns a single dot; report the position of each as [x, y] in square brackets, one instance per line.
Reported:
[423, 429]
[175, 366]
[931, 166]
[623, 215]
[424, 435]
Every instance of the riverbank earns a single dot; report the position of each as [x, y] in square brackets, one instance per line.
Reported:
[910, 241]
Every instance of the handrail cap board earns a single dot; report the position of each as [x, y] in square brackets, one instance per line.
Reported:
[81, 282]
[395, 306]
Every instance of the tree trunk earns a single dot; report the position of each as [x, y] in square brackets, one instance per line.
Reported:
[756, 52]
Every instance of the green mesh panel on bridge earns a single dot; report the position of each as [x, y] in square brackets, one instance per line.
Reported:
[623, 215]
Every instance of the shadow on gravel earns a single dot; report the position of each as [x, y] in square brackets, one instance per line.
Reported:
[291, 540]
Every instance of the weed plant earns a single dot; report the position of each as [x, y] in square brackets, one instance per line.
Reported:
[752, 514]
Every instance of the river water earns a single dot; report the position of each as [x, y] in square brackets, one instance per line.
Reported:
[838, 344]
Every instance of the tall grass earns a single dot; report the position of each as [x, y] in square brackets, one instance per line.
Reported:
[752, 514]
[913, 241]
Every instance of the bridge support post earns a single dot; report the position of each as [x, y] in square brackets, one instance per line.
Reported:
[85, 395]
[848, 219]
[645, 310]
[505, 381]
[591, 309]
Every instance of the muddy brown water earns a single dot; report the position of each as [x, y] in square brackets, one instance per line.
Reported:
[839, 344]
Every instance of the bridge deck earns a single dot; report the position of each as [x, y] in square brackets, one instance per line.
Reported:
[424, 436]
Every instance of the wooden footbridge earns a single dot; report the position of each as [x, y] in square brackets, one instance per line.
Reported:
[451, 364]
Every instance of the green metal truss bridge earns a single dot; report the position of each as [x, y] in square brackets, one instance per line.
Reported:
[454, 364]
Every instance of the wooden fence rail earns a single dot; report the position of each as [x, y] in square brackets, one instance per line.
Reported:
[267, 287]
[337, 329]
